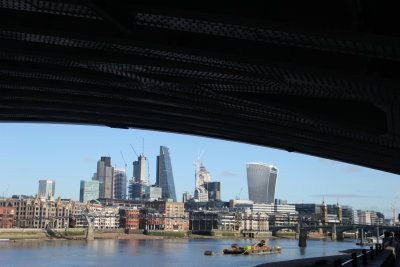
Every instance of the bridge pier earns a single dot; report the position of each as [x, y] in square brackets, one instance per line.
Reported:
[340, 236]
[333, 235]
[303, 238]
[297, 235]
[362, 236]
[89, 234]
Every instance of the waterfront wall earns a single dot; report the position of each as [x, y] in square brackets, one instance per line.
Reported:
[166, 233]
[34, 233]
[36, 230]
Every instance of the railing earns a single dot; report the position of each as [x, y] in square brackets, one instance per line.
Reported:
[363, 258]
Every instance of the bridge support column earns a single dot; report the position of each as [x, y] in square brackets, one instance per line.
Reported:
[334, 236]
[297, 235]
[356, 235]
[89, 234]
[275, 233]
[362, 236]
[340, 236]
[303, 238]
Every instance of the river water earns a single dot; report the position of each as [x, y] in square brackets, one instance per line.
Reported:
[168, 252]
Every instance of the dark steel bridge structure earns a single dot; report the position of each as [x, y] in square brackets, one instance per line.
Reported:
[314, 77]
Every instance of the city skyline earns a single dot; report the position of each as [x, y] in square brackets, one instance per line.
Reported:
[57, 146]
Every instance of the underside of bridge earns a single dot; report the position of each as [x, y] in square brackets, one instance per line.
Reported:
[315, 77]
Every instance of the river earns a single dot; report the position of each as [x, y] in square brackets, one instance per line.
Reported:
[168, 252]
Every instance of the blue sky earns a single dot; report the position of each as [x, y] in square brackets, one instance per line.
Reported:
[68, 154]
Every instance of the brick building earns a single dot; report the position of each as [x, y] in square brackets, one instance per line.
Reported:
[34, 213]
[151, 219]
[7, 217]
[176, 219]
[129, 218]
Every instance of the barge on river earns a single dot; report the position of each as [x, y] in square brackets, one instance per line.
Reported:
[259, 248]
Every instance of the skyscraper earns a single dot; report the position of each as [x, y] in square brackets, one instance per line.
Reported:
[105, 174]
[119, 186]
[47, 190]
[186, 197]
[204, 175]
[139, 169]
[165, 177]
[137, 191]
[138, 184]
[261, 182]
[214, 190]
[153, 193]
[200, 194]
[90, 190]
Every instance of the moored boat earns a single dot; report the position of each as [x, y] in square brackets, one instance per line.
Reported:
[234, 249]
[259, 248]
[209, 253]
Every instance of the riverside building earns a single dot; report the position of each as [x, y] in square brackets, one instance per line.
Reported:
[7, 217]
[34, 213]
[129, 218]
[103, 217]
[176, 219]
[266, 208]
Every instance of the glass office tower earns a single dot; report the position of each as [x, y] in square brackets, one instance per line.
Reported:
[261, 182]
[214, 190]
[165, 177]
[105, 173]
[47, 190]
[120, 182]
[90, 190]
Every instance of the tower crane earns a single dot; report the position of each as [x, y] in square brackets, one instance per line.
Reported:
[124, 160]
[148, 171]
[238, 196]
[394, 205]
[134, 150]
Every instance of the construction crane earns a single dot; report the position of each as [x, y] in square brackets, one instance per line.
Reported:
[143, 146]
[124, 160]
[148, 171]
[5, 192]
[134, 151]
[394, 205]
[238, 196]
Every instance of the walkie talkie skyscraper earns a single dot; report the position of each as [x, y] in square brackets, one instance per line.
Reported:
[261, 182]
